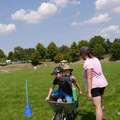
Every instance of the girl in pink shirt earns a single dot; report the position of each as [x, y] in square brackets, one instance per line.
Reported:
[94, 80]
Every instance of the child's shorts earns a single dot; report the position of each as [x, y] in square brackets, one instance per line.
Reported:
[59, 92]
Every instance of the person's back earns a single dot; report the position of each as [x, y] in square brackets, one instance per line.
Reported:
[94, 80]
[66, 85]
[97, 74]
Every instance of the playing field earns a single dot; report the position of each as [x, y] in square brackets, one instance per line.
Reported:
[13, 94]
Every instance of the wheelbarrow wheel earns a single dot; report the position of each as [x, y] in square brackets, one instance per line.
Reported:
[58, 116]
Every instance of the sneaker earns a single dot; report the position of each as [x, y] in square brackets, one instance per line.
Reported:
[65, 118]
[53, 118]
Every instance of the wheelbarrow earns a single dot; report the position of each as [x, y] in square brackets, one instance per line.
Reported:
[62, 110]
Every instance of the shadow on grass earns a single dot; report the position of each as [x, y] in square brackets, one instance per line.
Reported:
[113, 59]
[85, 115]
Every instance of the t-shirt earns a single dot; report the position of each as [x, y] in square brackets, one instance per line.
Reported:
[98, 80]
[35, 68]
[65, 84]
[71, 78]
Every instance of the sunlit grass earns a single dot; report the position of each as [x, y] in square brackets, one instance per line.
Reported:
[13, 94]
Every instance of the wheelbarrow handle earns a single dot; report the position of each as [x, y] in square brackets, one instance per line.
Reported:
[74, 92]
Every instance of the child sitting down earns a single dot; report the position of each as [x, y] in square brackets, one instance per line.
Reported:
[66, 87]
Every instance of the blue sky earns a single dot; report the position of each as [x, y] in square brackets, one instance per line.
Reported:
[25, 23]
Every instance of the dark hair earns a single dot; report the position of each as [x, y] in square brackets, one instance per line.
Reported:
[70, 73]
[89, 55]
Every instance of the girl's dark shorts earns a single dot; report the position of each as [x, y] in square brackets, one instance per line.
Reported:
[97, 91]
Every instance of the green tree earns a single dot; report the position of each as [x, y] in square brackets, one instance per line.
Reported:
[73, 52]
[2, 55]
[11, 56]
[115, 50]
[28, 53]
[98, 51]
[3, 61]
[41, 49]
[64, 49]
[52, 51]
[116, 40]
[107, 46]
[67, 57]
[83, 43]
[35, 58]
[58, 57]
[96, 40]
[19, 53]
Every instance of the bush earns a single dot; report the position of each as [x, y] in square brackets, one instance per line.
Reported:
[67, 57]
[3, 62]
[115, 50]
[35, 58]
[98, 51]
[58, 58]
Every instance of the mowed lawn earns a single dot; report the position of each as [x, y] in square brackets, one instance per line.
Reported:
[13, 94]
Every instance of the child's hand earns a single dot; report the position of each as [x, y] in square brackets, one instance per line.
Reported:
[79, 94]
[47, 98]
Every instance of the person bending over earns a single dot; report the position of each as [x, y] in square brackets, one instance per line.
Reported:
[66, 87]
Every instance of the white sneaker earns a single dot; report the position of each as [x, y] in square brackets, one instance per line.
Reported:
[53, 118]
[64, 118]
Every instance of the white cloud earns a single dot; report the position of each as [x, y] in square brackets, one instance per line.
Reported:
[61, 3]
[98, 19]
[116, 10]
[106, 5]
[76, 23]
[6, 29]
[43, 12]
[117, 31]
[111, 28]
[94, 20]
[105, 35]
[74, 2]
[69, 41]
[106, 31]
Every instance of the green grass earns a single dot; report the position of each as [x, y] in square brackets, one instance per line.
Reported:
[13, 94]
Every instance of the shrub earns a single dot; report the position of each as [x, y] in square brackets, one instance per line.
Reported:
[58, 58]
[115, 50]
[98, 51]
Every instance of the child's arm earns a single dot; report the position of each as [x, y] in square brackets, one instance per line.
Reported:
[50, 92]
[74, 79]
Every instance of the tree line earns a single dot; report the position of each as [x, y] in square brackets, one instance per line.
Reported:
[98, 48]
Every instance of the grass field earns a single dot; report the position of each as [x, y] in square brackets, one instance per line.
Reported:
[13, 94]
